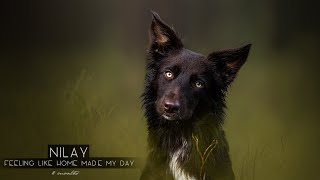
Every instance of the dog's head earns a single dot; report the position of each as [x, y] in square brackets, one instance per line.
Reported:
[181, 84]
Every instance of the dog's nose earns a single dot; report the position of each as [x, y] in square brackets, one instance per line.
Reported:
[171, 106]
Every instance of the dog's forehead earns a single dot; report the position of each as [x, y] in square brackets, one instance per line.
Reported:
[187, 59]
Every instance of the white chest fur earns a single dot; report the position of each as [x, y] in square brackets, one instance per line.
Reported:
[175, 167]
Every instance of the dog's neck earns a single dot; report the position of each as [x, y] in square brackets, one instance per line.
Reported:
[173, 143]
[169, 137]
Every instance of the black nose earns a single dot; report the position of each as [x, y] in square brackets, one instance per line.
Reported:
[171, 106]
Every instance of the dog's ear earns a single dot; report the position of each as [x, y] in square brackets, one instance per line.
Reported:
[228, 62]
[163, 39]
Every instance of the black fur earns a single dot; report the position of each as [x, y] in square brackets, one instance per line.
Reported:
[178, 106]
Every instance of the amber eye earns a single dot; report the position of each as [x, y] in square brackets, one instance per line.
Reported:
[168, 75]
[199, 84]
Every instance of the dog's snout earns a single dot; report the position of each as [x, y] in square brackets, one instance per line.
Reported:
[171, 106]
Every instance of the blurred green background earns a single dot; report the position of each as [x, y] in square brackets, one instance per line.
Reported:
[71, 72]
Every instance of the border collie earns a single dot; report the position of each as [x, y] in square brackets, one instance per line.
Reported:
[184, 102]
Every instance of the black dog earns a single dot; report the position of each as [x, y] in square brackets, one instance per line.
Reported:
[184, 101]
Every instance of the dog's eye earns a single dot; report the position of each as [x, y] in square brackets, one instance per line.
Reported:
[169, 75]
[199, 84]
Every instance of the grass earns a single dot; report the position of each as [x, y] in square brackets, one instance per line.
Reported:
[204, 156]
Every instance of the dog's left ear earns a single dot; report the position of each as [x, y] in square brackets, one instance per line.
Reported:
[163, 38]
[228, 62]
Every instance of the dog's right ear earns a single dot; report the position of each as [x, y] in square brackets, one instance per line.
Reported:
[163, 39]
